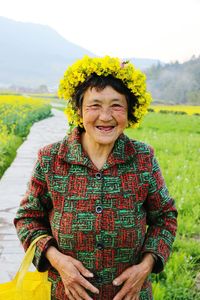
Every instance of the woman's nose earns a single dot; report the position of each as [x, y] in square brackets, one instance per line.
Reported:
[105, 114]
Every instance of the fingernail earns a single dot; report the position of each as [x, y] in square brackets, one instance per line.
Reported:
[115, 282]
[90, 275]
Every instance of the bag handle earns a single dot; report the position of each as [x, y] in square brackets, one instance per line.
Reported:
[26, 262]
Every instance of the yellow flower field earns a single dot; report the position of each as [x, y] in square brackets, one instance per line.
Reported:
[17, 114]
[190, 110]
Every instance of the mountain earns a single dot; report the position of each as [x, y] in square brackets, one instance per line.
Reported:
[33, 54]
[145, 63]
[175, 82]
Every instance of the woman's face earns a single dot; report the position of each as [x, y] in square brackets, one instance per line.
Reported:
[105, 115]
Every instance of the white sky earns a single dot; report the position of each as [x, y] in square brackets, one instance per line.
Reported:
[168, 30]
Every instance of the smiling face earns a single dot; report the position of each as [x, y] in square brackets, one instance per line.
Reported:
[105, 116]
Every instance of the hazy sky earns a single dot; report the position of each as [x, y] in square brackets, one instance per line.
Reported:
[168, 30]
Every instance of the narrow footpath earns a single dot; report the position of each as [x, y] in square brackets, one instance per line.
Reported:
[13, 186]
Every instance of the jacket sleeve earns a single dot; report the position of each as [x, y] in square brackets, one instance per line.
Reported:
[161, 217]
[32, 219]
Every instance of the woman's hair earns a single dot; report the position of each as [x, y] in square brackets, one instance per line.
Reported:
[99, 83]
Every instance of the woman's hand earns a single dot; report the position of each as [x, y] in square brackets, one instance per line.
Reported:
[133, 279]
[71, 272]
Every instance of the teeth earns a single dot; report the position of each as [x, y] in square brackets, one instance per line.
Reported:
[103, 128]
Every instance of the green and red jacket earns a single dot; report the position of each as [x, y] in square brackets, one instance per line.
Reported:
[106, 219]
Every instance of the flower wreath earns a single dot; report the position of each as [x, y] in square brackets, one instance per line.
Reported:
[77, 73]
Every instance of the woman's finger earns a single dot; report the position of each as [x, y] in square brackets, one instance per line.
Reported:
[129, 296]
[75, 294]
[123, 277]
[69, 295]
[124, 291]
[81, 292]
[85, 272]
[87, 285]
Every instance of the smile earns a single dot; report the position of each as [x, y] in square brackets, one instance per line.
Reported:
[105, 128]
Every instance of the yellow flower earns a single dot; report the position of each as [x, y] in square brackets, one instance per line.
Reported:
[77, 73]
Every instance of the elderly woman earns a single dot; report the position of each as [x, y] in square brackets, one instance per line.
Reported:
[98, 195]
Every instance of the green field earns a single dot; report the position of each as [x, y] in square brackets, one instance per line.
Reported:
[176, 141]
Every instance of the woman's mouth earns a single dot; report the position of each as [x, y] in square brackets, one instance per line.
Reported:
[105, 128]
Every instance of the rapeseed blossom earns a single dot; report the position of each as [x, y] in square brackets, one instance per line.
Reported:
[77, 73]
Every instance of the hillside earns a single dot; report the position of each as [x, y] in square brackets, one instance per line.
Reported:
[33, 54]
[175, 82]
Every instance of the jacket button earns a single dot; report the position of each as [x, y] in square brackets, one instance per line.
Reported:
[99, 279]
[98, 176]
[99, 209]
[100, 246]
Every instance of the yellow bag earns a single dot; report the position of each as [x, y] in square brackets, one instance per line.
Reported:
[27, 285]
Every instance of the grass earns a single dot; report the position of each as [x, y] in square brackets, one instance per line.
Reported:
[176, 141]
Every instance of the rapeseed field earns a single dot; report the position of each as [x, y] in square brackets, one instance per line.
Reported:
[188, 109]
[17, 114]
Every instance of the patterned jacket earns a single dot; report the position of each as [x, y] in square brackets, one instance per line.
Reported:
[106, 219]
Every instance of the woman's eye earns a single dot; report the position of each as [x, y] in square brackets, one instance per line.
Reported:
[116, 105]
[94, 106]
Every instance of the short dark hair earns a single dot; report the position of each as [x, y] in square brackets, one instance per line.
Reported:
[99, 83]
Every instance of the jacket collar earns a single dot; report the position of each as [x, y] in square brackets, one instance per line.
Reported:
[72, 152]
